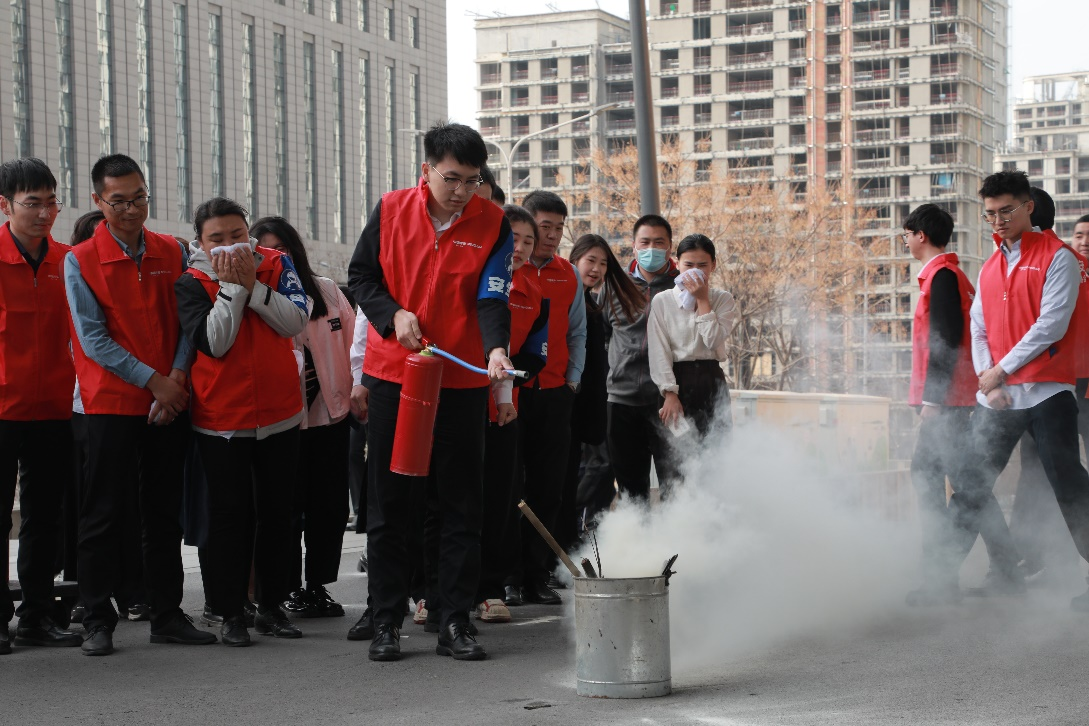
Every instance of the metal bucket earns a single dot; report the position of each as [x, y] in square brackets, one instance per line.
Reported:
[622, 637]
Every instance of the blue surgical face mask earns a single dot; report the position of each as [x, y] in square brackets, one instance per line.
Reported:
[651, 259]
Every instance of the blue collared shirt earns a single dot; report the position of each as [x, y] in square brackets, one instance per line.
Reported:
[89, 322]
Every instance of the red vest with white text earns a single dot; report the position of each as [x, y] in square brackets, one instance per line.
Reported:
[141, 316]
[559, 283]
[962, 390]
[36, 374]
[435, 279]
[1011, 304]
[256, 382]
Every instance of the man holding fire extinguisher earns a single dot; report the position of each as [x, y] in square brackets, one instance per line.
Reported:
[432, 261]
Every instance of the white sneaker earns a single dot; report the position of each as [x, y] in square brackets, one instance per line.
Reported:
[493, 611]
[420, 615]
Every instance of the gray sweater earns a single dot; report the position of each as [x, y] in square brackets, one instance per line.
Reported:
[629, 364]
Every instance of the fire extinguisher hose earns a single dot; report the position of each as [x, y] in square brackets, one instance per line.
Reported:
[451, 357]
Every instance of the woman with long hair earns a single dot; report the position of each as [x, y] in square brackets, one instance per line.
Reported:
[320, 507]
[604, 280]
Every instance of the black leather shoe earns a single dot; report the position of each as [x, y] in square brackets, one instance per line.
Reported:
[298, 604]
[210, 617]
[364, 627]
[5, 640]
[386, 644]
[512, 596]
[274, 622]
[313, 602]
[99, 641]
[541, 594]
[77, 613]
[234, 633]
[47, 633]
[456, 642]
[181, 630]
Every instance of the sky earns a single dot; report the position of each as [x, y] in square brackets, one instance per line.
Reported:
[1048, 36]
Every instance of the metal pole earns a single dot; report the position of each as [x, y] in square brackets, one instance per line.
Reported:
[645, 138]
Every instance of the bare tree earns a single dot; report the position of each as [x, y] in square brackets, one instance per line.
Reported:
[789, 255]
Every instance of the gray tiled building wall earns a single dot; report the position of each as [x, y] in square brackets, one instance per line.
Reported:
[268, 17]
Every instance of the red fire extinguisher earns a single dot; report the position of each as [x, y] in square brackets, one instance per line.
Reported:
[415, 430]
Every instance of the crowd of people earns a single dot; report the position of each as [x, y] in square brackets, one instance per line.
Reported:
[217, 390]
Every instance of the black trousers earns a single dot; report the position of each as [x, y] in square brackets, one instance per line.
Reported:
[321, 509]
[939, 453]
[39, 455]
[596, 489]
[568, 520]
[129, 461]
[704, 394]
[454, 491]
[499, 535]
[544, 429]
[1053, 424]
[248, 477]
[357, 472]
[635, 434]
[70, 526]
[1035, 512]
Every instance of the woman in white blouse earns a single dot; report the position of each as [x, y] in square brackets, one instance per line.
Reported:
[687, 330]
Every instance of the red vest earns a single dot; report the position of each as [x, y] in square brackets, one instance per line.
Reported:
[256, 382]
[437, 280]
[1079, 321]
[141, 316]
[1007, 323]
[559, 283]
[36, 373]
[962, 391]
[525, 308]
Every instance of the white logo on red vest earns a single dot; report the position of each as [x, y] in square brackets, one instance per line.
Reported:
[462, 243]
[1027, 267]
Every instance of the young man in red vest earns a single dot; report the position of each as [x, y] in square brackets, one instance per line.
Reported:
[943, 388]
[544, 405]
[35, 395]
[132, 364]
[432, 261]
[1025, 355]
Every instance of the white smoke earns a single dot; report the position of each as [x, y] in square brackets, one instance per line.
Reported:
[768, 551]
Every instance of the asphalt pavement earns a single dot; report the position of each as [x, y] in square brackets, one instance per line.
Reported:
[1004, 661]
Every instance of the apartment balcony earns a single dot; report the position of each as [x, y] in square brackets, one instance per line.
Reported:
[702, 89]
[487, 78]
[797, 139]
[737, 31]
[490, 103]
[618, 69]
[799, 169]
[581, 126]
[521, 155]
[520, 101]
[833, 51]
[878, 163]
[517, 75]
[550, 155]
[873, 135]
[798, 82]
[549, 100]
[833, 25]
[703, 119]
[833, 108]
[797, 53]
[834, 137]
[620, 97]
[750, 144]
[751, 86]
[944, 98]
[580, 98]
[620, 124]
[868, 45]
[945, 159]
[944, 69]
[703, 175]
[752, 114]
[550, 73]
[796, 112]
[702, 6]
[743, 4]
[945, 130]
[671, 64]
[489, 130]
[834, 167]
[946, 39]
[580, 71]
[671, 92]
[834, 79]
[797, 25]
[871, 16]
[702, 61]
[670, 121]
[942, 191]
[944, 10]
[873, 105]
[875, 74]
[875, 192]
[747, 58]
[519, 130]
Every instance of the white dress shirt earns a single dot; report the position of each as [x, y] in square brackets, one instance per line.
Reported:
[675, 335]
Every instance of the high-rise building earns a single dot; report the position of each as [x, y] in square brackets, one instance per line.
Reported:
[1051, 143]
[303, 108]
[904, 100]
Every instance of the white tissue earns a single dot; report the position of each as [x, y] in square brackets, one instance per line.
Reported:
[230, 248]
[685, 299]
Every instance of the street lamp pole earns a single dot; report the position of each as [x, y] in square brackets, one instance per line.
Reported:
[508, 156]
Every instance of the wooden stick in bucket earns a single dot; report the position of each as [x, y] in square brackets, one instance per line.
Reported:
[548, 538]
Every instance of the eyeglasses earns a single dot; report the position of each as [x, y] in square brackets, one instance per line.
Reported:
[125, 204]
[51, 207]
[904, 236]
[454, 184]
[1005, 216]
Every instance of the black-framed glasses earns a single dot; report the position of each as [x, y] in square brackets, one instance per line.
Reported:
[39, 206]
[124, 205]
[992, 217]
[454, 184]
